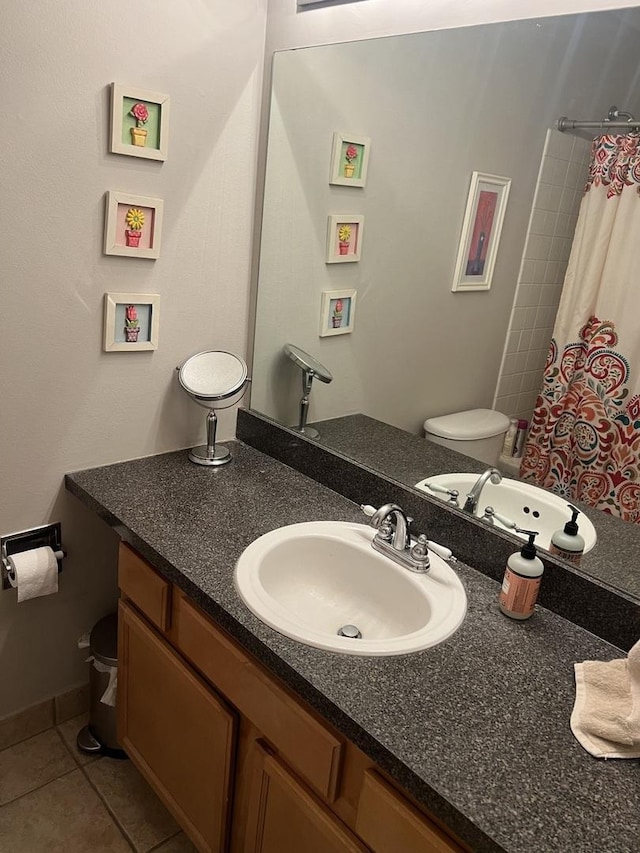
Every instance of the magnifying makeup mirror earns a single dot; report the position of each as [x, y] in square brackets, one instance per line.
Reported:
[216, 380]
[311, 368]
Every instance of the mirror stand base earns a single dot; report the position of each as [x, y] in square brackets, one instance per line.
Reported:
[202, 455]
[310, 432]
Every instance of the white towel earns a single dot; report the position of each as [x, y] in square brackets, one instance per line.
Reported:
[606, 713]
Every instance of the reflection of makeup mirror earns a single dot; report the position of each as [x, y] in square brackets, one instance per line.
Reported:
[311, 368]
[216, 380]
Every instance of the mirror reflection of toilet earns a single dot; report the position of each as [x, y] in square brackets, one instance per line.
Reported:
[478, 433]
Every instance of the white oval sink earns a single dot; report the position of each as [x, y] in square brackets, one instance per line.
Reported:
[527, 506]
[309, 580]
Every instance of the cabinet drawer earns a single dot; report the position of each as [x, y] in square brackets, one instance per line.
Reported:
[306, 744]
[150, 592]
[387, 822]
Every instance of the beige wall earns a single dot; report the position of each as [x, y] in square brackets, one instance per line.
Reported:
[64, 404]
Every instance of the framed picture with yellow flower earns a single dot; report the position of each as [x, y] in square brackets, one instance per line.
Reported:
[133, 225]
[349, 159]
[139, 122]
[344, 238]
[337, 312]
[131, 321]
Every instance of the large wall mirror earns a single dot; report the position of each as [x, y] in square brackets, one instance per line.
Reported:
[436, 107]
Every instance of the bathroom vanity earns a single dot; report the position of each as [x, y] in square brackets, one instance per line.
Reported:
[246, 734]
[276, 776]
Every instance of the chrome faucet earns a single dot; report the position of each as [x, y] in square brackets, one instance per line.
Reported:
[473, 497]
[393, 524]
[393, 538]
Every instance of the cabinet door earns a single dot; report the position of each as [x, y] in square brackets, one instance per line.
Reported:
[283, 815]
[177, 732]
[389, 823]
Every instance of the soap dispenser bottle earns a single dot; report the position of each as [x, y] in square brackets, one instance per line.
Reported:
[521, 581]
[568, 543]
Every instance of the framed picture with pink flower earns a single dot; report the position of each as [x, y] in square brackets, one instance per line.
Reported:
[139, 122]
[337, 312]
[131, 321]
[133, 225]
[349, 159]
[344, 238]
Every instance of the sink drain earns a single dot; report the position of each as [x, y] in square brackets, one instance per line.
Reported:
[350, 631]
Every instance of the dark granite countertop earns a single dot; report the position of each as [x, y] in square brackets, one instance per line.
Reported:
[409, 458]
[476, 728]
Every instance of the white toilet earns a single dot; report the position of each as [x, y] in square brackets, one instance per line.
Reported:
[478, 433]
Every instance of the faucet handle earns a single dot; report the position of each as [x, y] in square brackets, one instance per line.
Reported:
[454, 494]
[489, 513]
[379, 516]
[491, 516]
[420, 554]
[368, 510]
[504, 521]
[385, 531]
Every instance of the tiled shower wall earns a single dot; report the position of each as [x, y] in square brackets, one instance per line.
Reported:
[561, 181]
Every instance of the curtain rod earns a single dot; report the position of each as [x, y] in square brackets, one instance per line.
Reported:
[611, 120]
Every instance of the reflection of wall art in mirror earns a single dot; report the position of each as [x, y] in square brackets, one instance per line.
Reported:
[349, 159]
[337, 312]
[139, 122]
[131, 321]
[481, 229]
[344, 238]
[133, 225]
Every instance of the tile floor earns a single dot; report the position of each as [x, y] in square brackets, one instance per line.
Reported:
[55, 799]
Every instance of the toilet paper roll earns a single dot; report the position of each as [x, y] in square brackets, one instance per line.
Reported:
[35, 573]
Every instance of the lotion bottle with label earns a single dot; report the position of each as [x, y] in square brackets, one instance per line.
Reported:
[568, 543]
[521, 581]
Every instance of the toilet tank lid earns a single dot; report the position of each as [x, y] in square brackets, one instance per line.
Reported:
[468, 426]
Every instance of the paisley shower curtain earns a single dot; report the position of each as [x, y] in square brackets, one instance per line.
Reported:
[584, 440]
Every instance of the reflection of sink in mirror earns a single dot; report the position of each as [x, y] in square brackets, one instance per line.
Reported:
[309, 581]
[526, 506]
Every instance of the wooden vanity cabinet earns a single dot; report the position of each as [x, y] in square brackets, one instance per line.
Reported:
[240, 761]
[176, 730]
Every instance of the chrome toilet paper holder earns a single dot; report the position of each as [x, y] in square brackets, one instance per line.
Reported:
[25, 540]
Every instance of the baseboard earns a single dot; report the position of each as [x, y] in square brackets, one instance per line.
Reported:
[37, 718]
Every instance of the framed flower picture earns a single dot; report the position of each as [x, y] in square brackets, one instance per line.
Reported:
[337, 312]
[131, 321]
[344, 238]
[139, 122]
[133, 225]
[349, 159]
